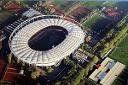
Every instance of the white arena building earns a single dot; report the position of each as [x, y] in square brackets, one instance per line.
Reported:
[25, 37]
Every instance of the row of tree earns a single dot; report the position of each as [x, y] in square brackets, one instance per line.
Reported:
[84, 71]
[77, 73]
[115, 36]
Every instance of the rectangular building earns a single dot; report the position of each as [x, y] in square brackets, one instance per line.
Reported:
[107, 72]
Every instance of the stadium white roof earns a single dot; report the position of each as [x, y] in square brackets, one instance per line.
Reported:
[30, 13]
[18, 41]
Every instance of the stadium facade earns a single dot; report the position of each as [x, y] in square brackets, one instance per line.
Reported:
[22, 39]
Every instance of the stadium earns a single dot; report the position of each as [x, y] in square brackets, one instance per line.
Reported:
[45, 40]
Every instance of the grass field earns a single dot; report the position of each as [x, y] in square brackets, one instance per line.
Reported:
[110, 3]
[4, 15]
[63, 4]
[117, 82]
[122, 78]
[90, 22]
[121, 52]
[92, 4]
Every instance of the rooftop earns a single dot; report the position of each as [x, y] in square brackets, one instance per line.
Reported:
[21, 35]
[107, 72]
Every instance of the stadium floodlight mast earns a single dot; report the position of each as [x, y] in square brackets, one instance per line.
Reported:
[41, 29]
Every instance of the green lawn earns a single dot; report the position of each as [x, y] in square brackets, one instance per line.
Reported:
[122, 6]
[92, 4]
[117, 82]
[63, 4]
[122, 78]
[4, 15]
[110, 3]
[90, 22]
[121, 52]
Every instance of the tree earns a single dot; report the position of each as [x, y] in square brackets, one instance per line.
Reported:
[9, 57]
[95, 59]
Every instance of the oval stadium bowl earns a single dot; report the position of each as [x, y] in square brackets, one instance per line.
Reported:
[45, 40]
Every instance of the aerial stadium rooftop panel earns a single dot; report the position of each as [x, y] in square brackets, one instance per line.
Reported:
[45, 40]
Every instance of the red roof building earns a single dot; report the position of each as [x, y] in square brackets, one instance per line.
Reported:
[55, 9]
[111, 12]
[11, 74]
[80, 12]
[13, 6]
[2, 67]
